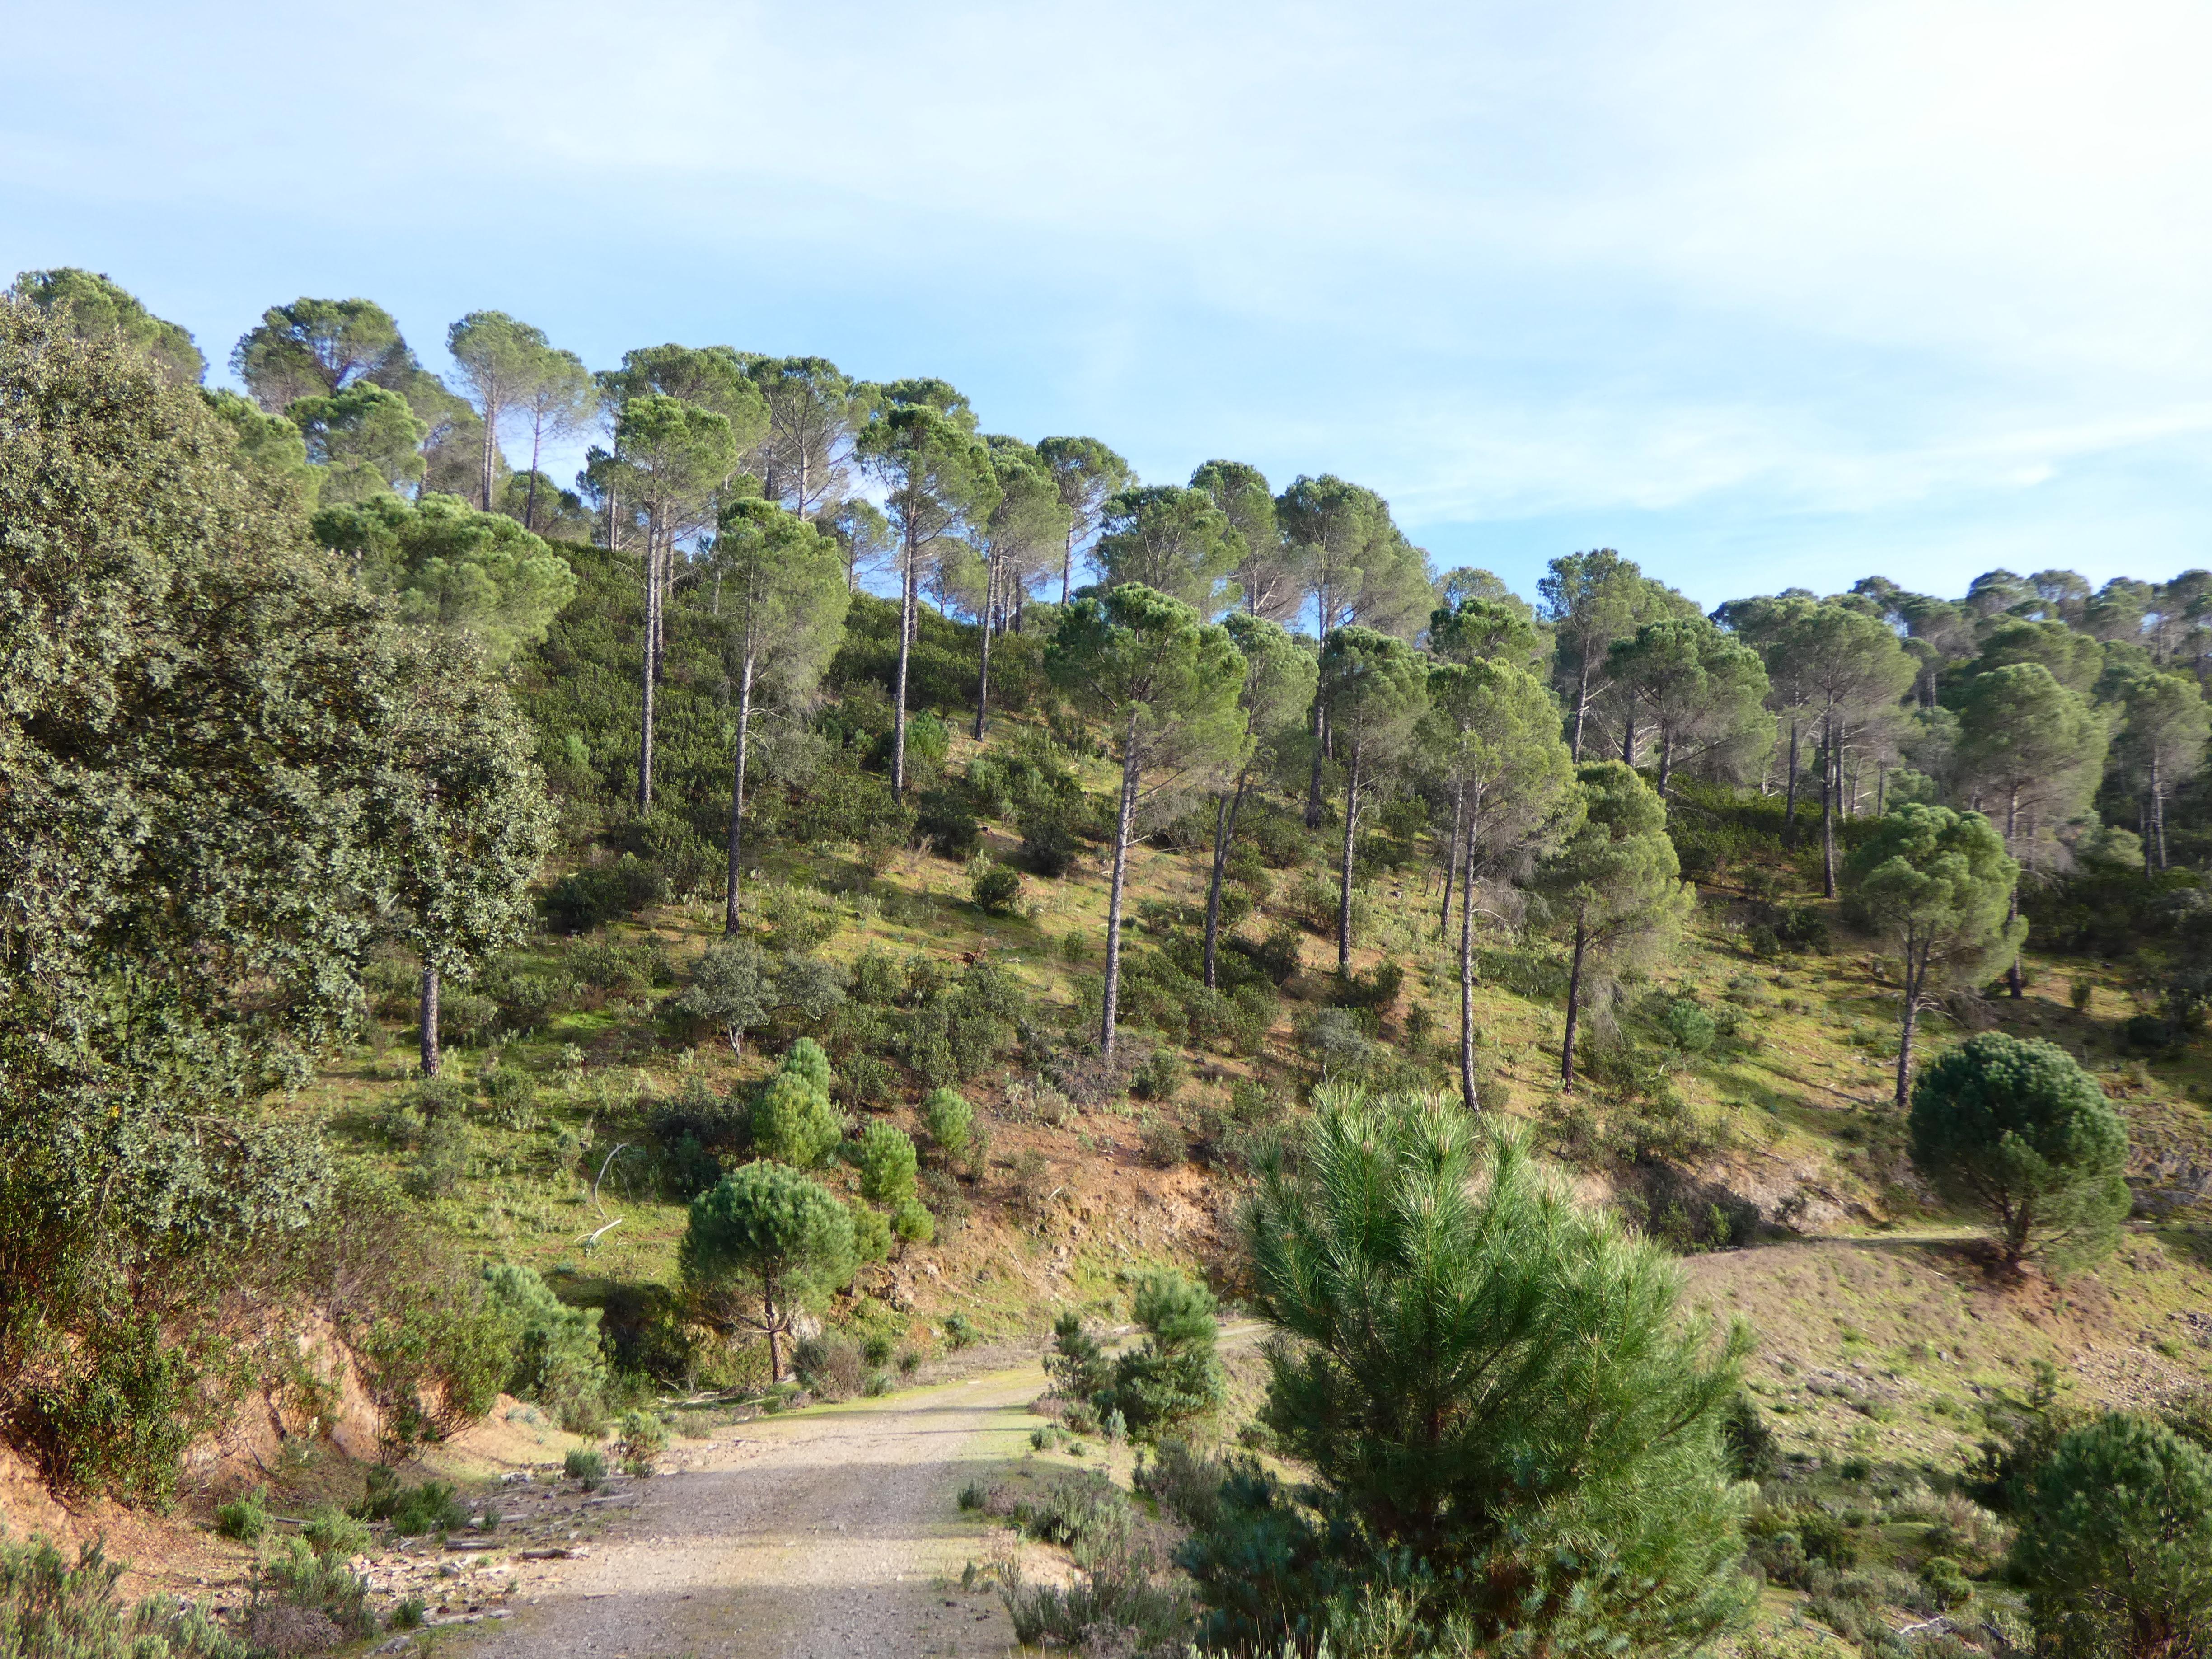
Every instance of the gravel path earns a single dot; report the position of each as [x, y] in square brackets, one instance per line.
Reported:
[831, 1534]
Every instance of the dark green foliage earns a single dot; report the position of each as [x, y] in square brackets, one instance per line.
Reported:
[293, 767]
[950, 1120]
[53, 1609]
[1510, 1426]
[330, 1531]
[887, 1165]
[996, 889]
[245, 1517]
[1076, 1365]
[767, 1232]
[557, 1361]
[2017, 1130]
[586, 1465]
[2115, 1543]
[1174, 1375]
[412, 1511]
[946, 824]
[1752, 1451]
[598, 894]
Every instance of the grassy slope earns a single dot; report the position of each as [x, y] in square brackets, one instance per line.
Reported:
[1879, 1333]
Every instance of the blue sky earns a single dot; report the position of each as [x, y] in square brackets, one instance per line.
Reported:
[1759, 295]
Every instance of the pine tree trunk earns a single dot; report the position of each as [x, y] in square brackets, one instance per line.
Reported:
[2015, 981]
[2157, 811]
[1582, 708]
[1790, 810]
[646, 675]
[1451, 859]
[1916, 975]
[1344, 894]
[1225, 827]
[1467, 978]
[906, 605]
[983, 679]
[1828, 782]
[491, 446]
[1628, 737]
[1321, 745]
[774, 1328]
[1574, 1011]
[1666, 758]
[529, 500]
[429, 1011]
[738, 781]
[1122, 820]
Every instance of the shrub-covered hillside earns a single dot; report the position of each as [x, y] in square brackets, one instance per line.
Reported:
[590, 947]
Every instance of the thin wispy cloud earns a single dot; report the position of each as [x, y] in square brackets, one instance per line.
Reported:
[1757, 293]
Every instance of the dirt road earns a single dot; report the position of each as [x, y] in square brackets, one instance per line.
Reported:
[833, 1534]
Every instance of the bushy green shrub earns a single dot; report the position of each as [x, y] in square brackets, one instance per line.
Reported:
[430, 1507]
[329, 1530]
[872, 1234]
[245, 1517]
[2017, 1130]
[53, 1609]
[1175, 1376]
[996, 889]
[887, 1165]
[585, 1464]
[1076, 1365]
[946, 824]
[557, 1359]
[591, 897]
[1688, 1027]
[643, 1441]
[950, 1120]
[295, 1578]
[793, 1120]
[1161, 1078]
[912, 1223]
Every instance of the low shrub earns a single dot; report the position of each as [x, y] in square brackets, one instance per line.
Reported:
[996, 889]
[245, 1517]
[586, 1465]
[832, 1366]
[295, 1581]
[428, 1508]
[330, 1531]
[53, 1609]
[591, 897]
[643, 1442]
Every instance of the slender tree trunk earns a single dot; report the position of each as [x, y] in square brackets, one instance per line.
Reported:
[2015, 981]
[1224, 828]
[2157, 811]
[1344, 894]
[429, 1011]
[1828, 810]
[1067, 561]
[1467, 977]
[1916, 976]
[1122, 819]
[1666, 758]
[1451, 859]
[1789, 812]
[1880, 789]
[491, 446]
[530, 501]
[983, 679]
[1321, 745]
[774, 1328]
[1582, 708]
[645, 678]
[1574, 1010]
[907, 601]
[1628, 737]
[738, 781]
